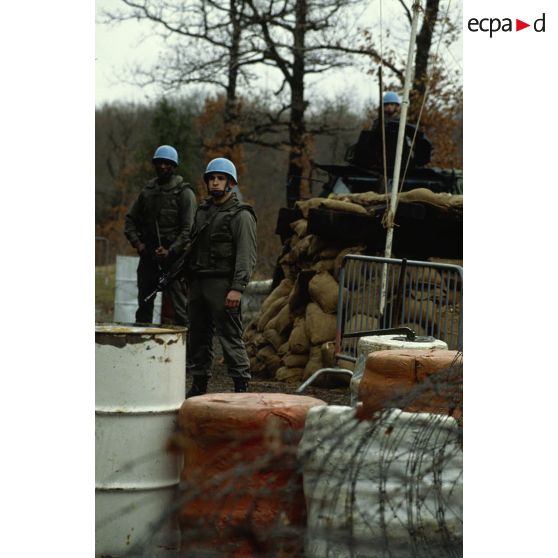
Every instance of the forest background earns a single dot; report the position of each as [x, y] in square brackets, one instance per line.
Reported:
[209, 97]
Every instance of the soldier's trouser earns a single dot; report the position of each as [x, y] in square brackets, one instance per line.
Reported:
[208, 316]
[148, 273]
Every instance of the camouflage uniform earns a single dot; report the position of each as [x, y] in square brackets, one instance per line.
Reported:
[223, 259]
[170, 207]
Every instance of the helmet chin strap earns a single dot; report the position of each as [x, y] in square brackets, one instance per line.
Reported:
[219, 193]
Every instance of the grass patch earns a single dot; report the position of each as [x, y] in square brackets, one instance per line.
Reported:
[104, 293]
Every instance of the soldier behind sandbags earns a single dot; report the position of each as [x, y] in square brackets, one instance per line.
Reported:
[222, 260]
[158, 226]
[392, 107]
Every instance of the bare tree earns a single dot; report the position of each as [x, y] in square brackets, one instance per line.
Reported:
[206, 43]
[301, 38]
[221, 44]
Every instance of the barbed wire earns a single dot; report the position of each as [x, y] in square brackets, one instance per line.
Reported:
[387, 486]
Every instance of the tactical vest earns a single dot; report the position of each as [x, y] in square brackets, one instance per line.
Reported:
[161, 206]
[218, 240]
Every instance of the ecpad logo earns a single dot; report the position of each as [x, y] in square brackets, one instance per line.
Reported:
[495, 24]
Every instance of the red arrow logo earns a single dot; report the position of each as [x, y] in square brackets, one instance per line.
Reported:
[519, 25]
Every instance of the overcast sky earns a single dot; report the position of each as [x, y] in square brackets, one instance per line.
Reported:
[120, 46]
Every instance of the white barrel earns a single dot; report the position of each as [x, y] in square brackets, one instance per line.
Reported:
[126, 291]
[140, 383]
[372, 343]
[387, 488]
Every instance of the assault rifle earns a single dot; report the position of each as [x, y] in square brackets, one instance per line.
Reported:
[168, 276]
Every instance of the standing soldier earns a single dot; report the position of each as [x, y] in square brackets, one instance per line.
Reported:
[158, 226]
[222, 260]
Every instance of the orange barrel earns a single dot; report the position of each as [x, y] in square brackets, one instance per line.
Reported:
[242, 484]
[425, 381]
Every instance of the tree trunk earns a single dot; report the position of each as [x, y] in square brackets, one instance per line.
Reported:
[298, 106]
[423, 43]
[231, 109]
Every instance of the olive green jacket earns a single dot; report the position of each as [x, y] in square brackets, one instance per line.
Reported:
[225, 243]
[169, 207]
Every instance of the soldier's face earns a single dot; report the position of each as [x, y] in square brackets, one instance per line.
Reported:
[390, 109]
[217, 183]
[163, 168]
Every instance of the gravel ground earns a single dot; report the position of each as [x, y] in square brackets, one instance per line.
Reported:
[221, 382]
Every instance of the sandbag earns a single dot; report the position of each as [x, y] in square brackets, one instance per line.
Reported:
[399, 378]
[328, 354]
[274, 338]
[272, 310]
[320, 327]
[289, 375]
[365, 198]
[324, 290]
[339, 205]
[292, 360]
[324, 265]
[299, 296]
[283, 349]
[361, 322]
[299, 251]
[422, 278]
[290, 271]
[282, 322]
[257, 367]
[250, 331]
[283, 289]
[306, 205]
[314, 362]
[258, 340]
[329, 253]
[270, 359]
[315, 246]
[317, 361]
[359, 249]
[299, 227]
[443, 200]
[298, 340]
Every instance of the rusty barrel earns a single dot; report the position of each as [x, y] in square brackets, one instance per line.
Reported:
[242, 485]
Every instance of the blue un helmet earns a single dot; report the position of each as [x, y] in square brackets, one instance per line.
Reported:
[220, 165]
[166, 152]
[392, 97]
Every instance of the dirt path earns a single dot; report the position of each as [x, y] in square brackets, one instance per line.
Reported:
[220, 382]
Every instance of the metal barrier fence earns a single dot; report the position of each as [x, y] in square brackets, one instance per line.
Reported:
[424, 296]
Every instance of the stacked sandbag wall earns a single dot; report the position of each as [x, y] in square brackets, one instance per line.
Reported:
[293, 335]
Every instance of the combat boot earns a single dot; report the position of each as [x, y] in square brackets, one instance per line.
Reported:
[240, 385]
[199, 386]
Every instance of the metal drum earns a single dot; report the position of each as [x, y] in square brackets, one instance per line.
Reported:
[126, 291]
[139, 388]
[372, 343]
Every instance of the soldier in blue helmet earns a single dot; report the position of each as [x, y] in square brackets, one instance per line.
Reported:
[158, 226]
[221, 263]
[392, 105]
